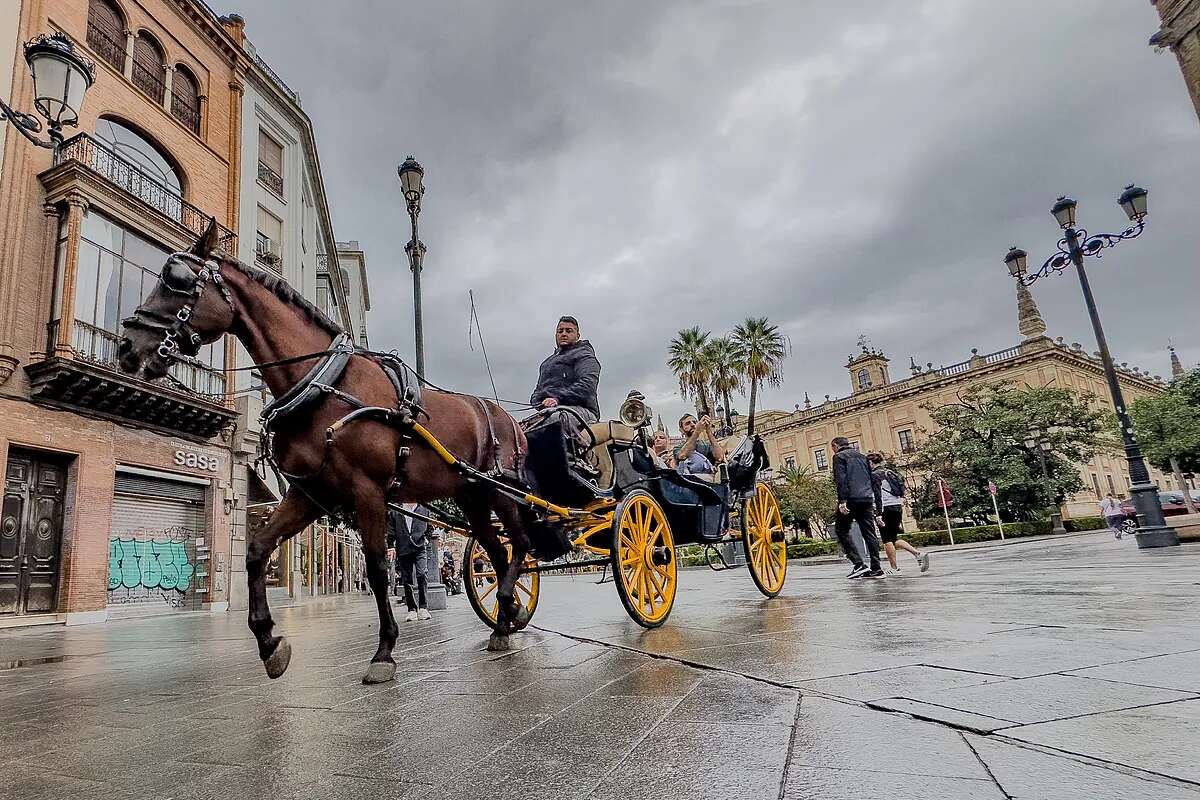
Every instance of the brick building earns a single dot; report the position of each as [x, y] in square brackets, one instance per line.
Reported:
[1180, 33]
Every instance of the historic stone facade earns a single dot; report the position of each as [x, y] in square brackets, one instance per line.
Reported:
[1180, 33]
[890, 417]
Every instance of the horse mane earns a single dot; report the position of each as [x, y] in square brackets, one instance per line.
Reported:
[279, 287]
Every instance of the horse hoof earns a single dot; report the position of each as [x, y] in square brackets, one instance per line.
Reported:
[278, 661]
[498, 643]
[522, 620]
[380, 672]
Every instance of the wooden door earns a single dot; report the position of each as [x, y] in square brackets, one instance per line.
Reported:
[31, 533]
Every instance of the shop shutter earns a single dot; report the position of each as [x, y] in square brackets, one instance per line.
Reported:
[152, 549]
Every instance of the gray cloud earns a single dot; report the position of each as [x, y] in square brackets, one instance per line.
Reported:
[858, 167]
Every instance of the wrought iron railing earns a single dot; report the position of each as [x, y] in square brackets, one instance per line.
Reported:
[103, 160]
[98, 346]
[186, 111]
[272, 179]
[107, 44]
[278, 80]
[149, 81]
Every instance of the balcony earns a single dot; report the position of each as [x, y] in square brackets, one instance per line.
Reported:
[270, 178]
[184, 110]
[100, 159]
[108, 44]
[191, 405]
[149, 81]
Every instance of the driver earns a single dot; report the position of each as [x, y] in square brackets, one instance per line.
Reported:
[570, 376]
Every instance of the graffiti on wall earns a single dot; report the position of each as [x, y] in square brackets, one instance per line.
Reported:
[145, 566]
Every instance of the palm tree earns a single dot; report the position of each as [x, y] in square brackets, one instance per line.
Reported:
[726, 369]
[688, 359]
[761, 349]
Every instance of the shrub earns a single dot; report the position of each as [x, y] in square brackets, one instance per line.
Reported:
[1012, 530]
[810, 548]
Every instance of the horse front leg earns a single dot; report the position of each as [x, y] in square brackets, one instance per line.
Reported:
[372, 524]
[292, 515]
[510, 518]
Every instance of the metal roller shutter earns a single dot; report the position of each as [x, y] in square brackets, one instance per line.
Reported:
[152, 562]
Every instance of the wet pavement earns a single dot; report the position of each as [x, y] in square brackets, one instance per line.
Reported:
[1046, 669]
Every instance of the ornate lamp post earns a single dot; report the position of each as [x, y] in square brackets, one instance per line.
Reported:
[1042, 445]
[411, 175]
[61, 78]
[1077, 243]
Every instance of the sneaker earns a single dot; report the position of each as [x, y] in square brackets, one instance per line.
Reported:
[875, 573]
[424, 614]
[858, 572]
[892, 572]
[412, 617]
[923, 562]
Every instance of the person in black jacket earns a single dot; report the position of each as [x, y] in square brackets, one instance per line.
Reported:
[858, 496]
[570, 376]
[406, 544]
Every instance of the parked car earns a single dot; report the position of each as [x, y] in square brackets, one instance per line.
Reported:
[1171, 502]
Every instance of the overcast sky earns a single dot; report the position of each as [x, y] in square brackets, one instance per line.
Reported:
[843, 168]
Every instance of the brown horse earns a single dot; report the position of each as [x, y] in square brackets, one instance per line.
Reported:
[199, 297]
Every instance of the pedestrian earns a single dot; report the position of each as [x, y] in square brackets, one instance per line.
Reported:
[1110, 509]
[406, 544]
[889, 488]
[857, 497]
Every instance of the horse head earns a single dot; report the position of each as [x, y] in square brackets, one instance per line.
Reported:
[189, 307]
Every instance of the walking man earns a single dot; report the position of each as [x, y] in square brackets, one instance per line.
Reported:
[889, 488]
[858, 497]
[406, 544]
[1110, 509]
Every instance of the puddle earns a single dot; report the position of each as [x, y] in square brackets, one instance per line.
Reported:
[29, 662]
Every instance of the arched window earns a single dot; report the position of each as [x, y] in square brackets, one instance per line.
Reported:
[149, 66]
[864, 378]
[106, 32]
[139, 166]
[185, 98]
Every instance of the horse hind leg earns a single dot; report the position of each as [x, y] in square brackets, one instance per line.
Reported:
[510, 518]
[479, 517]
[295, 511]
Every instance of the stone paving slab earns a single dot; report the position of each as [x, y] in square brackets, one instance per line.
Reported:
[736, 696]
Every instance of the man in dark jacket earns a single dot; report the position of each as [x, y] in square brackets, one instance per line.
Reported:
[406, 543]
[570, 376]
[858, 496]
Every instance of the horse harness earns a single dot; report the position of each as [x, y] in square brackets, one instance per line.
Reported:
[180, 280]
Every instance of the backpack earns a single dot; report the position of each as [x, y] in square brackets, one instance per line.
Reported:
[895, 483]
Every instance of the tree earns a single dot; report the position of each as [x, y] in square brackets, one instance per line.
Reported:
[1168, 427]
[761, 348]
[688, 358]
[806, 500]
[981, 437]
[725, 370]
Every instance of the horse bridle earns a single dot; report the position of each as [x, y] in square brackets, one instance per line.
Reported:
[192, 286]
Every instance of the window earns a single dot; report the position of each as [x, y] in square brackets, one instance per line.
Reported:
[854, 445]
[149, 65]
[864, 379]
[1096, 486]
[820, 460]
[906, 441]
[185, 99]
[117, 269]
[106, 33]
[1111, 486]
[138, 166]
[270, 163]
[790, 461]
[267, 242]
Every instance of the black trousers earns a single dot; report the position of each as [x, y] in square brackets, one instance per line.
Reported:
[862, 512]
[406, 566]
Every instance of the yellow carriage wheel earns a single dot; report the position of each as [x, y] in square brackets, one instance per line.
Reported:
[643, 559]
[762, 535]
[481, 582]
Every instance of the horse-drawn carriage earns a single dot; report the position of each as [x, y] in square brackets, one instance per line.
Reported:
[630, 512]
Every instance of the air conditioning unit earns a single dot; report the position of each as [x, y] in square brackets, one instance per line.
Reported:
[266, 250]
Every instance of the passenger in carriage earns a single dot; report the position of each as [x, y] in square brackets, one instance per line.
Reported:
[695, 456]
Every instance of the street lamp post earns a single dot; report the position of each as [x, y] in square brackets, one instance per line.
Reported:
[411, 183]
[61, 78]
[1041, 445]
[1077, 243]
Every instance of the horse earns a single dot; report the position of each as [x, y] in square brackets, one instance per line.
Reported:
[374, 459]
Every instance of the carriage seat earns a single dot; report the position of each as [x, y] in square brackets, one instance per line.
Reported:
[605, 435]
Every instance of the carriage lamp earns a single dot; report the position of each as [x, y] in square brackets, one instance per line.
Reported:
[61, 78]
[1075, 245]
